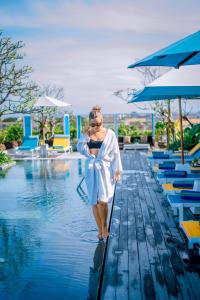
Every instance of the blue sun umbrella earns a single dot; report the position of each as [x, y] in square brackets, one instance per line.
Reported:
[176, 84]
[183, 52]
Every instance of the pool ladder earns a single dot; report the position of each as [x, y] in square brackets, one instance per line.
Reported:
[81, 191]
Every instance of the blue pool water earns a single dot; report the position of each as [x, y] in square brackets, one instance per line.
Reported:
[48, 244]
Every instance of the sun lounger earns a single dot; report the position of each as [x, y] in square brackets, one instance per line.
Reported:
[192, 232]
[169, 153]
[167, 165]
[171, 165]
[136, 146]
[177, 186]
[61, 143]
[29, 146]
[189, 199]
[160, 156]
[171, 176]
[195, 169]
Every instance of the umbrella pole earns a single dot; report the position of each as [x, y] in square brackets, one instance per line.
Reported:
[181, 130]
[168, 123]
[43, 136]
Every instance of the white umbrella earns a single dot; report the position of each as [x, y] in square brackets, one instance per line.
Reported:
[46, 101]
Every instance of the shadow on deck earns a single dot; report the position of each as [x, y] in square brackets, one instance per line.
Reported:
[145, 250]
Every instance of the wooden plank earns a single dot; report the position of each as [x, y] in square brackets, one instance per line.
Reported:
[123, 235]
[170, 279]
[177, 265]
[155, 265]
[147, 286]
[134, 267]
[138, 212]
[122, 266]
[157, 230]
[110, 269]
[122, 276]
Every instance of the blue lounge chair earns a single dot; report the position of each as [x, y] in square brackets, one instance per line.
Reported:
[29, 146]
[160, 156]
[184, 199]
[171, 175]
[167, 165]
[177, 186]
[171, 165]
[192, 232]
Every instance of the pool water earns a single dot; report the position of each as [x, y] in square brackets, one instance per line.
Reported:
[48, 244]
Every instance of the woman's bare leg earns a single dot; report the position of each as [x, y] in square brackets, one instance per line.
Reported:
[97, 219]
[103, 213]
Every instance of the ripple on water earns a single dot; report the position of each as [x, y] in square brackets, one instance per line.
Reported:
[115, 207]
[115, 221]
[89, 236]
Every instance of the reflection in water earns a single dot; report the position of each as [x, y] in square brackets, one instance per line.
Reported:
[80, 171]
[96, 270]
[17, 247]
[47, 169]
[47, 234]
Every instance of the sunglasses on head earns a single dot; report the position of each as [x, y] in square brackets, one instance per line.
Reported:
[95, 124]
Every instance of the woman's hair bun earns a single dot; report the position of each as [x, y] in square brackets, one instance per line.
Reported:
[96, 108]
[95, 112]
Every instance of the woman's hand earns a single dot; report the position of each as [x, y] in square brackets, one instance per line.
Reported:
[117, 176]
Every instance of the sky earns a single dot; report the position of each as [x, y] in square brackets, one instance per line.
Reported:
[85, 46]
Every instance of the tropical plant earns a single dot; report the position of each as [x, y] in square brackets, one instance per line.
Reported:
[123, 130]
[3, 133]
[160, 131]
[196, 162]
[14, 133]
[4, 158]
[191, 138]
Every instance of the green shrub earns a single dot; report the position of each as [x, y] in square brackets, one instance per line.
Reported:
[3, 133]
[175, 145]
[4, 158]
[147, 133]
[14, 133]
[132, 130]
[160, 131]
[123, 130]
[73, 132]
[191, 138]
[58, 129]
[196, 162]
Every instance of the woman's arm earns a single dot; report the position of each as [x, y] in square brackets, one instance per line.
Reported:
[82, 146]
[117, 164]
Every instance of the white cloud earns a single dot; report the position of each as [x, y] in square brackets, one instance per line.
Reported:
[135, 16]
[92, 63]
[89, 75]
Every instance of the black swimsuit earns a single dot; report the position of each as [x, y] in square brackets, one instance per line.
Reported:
[92, 144]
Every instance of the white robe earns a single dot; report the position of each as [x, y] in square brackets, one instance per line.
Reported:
[100, 169]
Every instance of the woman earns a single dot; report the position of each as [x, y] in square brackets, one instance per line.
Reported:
[102, 167]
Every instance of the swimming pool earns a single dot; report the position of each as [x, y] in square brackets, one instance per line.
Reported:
[48, 244]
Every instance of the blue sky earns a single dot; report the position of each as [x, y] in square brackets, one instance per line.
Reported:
[86, 46]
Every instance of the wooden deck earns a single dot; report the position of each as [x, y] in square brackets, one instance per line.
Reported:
[144, 251]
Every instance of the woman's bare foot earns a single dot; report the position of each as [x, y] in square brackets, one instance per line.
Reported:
[105, 232]
[100, 236]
